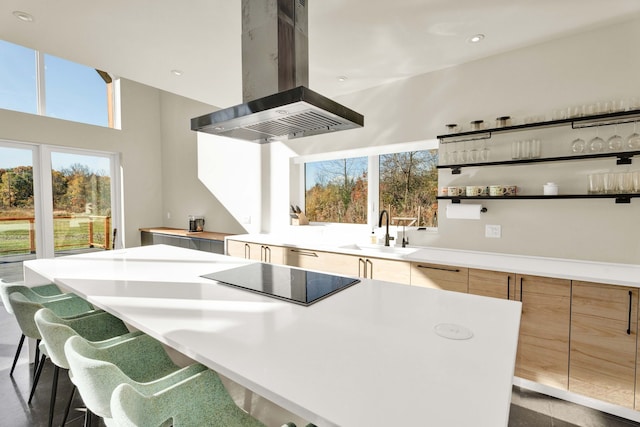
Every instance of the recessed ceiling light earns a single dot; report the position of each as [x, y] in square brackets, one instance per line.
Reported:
[176, 72]
[343, 78]
[23, 16]
[476, 38]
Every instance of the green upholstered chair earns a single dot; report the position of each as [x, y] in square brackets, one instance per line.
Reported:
[199, 400]
[38, 293]
[99, 327]
[140, 361]
[24, 309]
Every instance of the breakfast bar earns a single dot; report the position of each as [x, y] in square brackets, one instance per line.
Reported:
[374, 353]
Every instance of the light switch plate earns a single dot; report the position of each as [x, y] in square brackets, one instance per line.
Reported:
[492, 231]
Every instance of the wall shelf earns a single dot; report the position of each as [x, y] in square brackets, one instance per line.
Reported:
[619, 198]
[606, 119]
[624, 158]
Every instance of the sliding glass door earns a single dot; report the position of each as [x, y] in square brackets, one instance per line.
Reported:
[81, 195]
[55, 201]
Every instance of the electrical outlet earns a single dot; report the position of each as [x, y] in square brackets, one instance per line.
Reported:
[492, 231]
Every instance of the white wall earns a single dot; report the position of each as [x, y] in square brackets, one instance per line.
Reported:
[594, 66]
[157, 151]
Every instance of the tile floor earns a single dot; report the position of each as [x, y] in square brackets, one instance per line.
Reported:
[528, 408]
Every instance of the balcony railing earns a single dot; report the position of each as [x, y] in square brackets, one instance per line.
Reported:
[17, 234]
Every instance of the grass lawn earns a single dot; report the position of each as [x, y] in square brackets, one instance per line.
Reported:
[68, 233]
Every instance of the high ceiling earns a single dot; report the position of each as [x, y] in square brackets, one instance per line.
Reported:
[371, 42]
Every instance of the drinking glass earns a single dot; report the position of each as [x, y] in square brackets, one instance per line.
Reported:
[609, 182]
[516, 147]
[484, 154]
[596, 184]
[596, 144]
[624, 182]
[615, 142]
[636, 182]
[633, 140]
[578, 146]
[535, 148]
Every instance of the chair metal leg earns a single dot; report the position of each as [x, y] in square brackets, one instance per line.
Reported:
[15, 359]
[36, 358]
[87, 418]
[54, 391]
[68, 408]
[37, 377]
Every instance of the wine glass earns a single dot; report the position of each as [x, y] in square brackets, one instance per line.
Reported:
[633, 140]
[578, 146]
[596, 144]
[615, 142]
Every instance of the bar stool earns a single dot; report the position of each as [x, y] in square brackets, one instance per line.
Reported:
[101, 328]
[37, 293]
[25, 310]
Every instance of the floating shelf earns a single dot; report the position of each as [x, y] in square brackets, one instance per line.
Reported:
[576, 122]
[624, 158]
[619, 198]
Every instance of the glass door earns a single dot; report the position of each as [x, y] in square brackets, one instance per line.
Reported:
[81, 190]
[17, 209]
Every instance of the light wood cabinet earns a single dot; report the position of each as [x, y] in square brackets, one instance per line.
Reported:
[439, 276]
[384, 269]
[255, 251]
[329, 262]
[488, 283]
[543, 344]
[602, 360]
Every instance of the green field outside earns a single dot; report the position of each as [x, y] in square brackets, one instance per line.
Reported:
[69, 233]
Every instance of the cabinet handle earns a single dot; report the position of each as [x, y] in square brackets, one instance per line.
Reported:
[508, 286]
[247, 251]
[521, 289]
[364, 267]
[452, 270]
[629, 324]
[267, 253]
[305, 253]
[370, 263]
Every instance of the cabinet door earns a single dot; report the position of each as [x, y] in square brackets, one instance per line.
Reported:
[270, 253]
[238, 249]
[494, 284]
[602, 355]
[388, 270]
[304, 258]
[543, 344]
[438, 276]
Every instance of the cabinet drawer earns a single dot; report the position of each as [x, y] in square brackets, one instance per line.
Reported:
[494, 284]
[438, 276]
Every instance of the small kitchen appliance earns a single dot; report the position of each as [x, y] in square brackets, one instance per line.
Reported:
[196, 223]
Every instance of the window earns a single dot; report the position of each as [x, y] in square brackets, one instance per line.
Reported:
[336, 190]
[352, 189]
[409, 187]
[18, 88]
[37, 83]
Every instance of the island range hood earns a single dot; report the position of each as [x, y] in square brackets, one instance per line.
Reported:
[277, 102]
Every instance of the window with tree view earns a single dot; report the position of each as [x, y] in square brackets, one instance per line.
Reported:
[409, 187]
[336, 190]
[406, 183]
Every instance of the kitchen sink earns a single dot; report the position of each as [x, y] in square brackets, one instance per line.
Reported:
[379, 249]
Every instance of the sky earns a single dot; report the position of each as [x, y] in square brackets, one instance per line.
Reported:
[72, 92]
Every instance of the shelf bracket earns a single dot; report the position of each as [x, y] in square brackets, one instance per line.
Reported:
[455, 170]
[623, 199]
[624, 159]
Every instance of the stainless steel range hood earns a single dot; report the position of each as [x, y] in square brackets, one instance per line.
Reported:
[277, 103]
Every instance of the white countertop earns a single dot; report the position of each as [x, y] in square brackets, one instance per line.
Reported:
[366, 356]
[591, 271]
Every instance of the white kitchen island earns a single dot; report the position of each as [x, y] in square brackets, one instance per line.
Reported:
[368, 355]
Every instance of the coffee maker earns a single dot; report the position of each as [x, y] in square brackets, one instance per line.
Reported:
[196, 223]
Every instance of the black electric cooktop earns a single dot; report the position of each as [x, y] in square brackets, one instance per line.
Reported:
[286, 283]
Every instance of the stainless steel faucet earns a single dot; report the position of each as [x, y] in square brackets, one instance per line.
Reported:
[387, 238]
